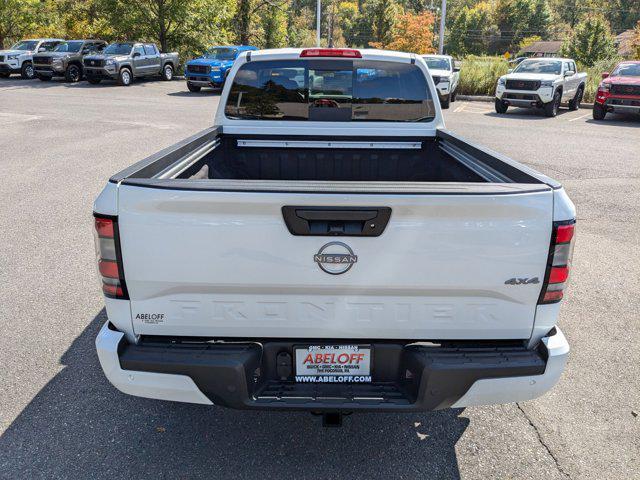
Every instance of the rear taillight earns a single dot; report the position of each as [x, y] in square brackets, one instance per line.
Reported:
[331, 52]
[109, 257]
[557, 274]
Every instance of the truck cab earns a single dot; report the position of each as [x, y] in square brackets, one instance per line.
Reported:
[211, 68]
[329, 246]
[19, 58]
[541, 83]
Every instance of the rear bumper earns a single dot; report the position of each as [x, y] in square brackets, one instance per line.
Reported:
[406, 377]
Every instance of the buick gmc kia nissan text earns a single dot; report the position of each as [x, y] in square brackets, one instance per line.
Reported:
[542, 83]
[329, 246]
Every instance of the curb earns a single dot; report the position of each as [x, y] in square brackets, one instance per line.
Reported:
[484, 98]
[474, 98]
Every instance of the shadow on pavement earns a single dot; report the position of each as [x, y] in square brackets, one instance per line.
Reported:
[79, 426]
[201, 93]
[525, 113]
[618, 120]
[60, 81]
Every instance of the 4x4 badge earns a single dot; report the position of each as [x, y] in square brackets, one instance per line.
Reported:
[522, 281]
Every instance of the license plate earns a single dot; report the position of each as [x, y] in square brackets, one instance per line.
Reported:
[333, 364]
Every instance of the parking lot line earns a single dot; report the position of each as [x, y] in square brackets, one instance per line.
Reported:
[578, 118]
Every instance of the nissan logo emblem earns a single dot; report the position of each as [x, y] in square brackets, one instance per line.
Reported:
[335, 258]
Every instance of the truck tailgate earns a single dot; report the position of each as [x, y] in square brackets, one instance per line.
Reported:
[224, 264]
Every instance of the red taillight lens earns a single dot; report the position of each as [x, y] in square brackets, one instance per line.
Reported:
[564, 233]
[331, 52]
[109, 258]
[559, 262]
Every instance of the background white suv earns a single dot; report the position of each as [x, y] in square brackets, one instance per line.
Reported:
[445, 75]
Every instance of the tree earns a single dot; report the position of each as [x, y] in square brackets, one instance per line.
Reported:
[187, 25]
[274, 27]
[517, 19]
[17, 19]
[635, 42]
[412, 33]
[471, 31]
[380, 15]
[591, 41]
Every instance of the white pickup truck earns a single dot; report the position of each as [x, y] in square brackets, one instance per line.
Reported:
[19, 58]
[446, 76]
[542, 83]
[328, 246]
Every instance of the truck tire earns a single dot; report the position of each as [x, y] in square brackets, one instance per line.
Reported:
[27, 71]
[551, 108]
[94, 80]
[454, 94]
[43, 78]
[73, 73]
[125, 77]
[193, 88]
[167, 73]
[445, 103]
[599, 112]
[501, 107]
[574, 103]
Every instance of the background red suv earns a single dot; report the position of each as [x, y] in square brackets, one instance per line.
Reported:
[619, 91]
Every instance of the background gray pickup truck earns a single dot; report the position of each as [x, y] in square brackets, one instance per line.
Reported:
[66, 59]
[124, 61]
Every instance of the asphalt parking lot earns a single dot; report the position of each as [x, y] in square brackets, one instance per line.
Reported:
[60, 418]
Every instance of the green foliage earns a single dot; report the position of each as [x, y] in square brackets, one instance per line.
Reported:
[18, 18]
[379, 18]
[274, 27]
[591, 41]
[518, 19]
[478, 75]
[594, 75]
[471, 30]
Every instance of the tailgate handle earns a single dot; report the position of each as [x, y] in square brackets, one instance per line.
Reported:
[336, 221]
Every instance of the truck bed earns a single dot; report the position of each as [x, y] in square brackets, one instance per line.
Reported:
[212, 155]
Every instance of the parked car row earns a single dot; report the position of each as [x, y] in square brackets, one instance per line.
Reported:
[210, 70]
[93, 60]
[546, 83]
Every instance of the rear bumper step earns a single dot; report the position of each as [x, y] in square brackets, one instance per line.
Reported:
[406, 377]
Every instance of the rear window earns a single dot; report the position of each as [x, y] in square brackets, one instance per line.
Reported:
[330, 90]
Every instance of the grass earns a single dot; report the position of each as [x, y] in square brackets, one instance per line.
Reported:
[478, 75]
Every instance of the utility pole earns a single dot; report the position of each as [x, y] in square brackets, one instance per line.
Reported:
[443, 15]
[318, 18]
